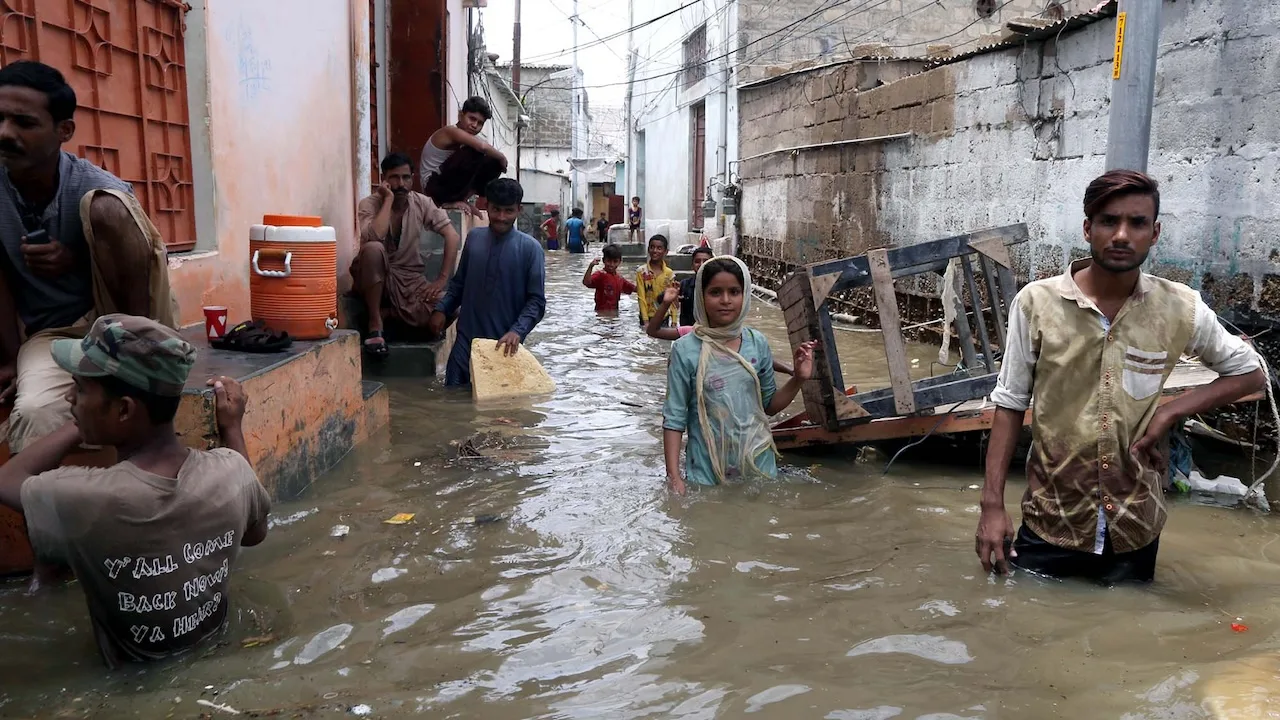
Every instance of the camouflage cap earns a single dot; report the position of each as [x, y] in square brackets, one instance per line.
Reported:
[134, 350]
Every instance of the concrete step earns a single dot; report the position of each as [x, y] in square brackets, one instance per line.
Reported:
[409, 357]
[407, 360]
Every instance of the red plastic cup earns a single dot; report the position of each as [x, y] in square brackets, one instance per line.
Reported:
[215, 321]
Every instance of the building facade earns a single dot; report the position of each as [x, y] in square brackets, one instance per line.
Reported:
[217, 119]
[1014, 134]
[686, 69]
[542, 114]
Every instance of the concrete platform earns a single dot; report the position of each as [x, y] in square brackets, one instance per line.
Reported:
[308, 407]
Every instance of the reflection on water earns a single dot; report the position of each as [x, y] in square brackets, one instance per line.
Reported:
[836, 593]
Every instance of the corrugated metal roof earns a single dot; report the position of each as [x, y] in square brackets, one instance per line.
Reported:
[824, 66]
[523, 66]
[1102, 11]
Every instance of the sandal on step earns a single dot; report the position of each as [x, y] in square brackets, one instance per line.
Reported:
[379, 349]
[253, 337]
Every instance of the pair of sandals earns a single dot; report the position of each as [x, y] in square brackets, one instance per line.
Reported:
[253, 336]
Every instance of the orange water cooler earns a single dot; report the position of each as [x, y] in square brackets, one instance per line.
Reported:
[293, 275]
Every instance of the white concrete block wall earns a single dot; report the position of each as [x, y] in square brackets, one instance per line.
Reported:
[1215, 147]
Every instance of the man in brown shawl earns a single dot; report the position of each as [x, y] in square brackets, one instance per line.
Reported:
[389, 272]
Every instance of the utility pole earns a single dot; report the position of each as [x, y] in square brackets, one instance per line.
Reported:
[1133, 82]
[631, 79]
[515, 82]
[573, 116]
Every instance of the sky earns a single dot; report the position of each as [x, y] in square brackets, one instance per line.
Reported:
[547, 39]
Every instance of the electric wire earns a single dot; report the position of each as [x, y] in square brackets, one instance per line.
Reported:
[924, 437]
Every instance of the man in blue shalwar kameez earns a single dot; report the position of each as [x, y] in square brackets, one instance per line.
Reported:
[499, 290]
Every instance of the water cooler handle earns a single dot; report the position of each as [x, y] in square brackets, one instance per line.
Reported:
[288, 263]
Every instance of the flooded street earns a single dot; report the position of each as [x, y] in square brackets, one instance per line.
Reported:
[837, 592]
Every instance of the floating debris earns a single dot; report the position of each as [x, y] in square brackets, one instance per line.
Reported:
[468, 449]
[274, 522]
[399, 519]
[385, 574]
[406, 617]
[323, 642]
[220, 708]
[493, 445]
[258, 640]
[481, 519]
[339, 531]
[929, 647]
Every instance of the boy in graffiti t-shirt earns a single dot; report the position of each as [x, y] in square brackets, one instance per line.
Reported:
[151, 539]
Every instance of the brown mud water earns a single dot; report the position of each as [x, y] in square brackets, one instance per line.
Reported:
[835, 593]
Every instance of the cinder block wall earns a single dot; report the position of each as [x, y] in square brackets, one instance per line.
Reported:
[1015, 136]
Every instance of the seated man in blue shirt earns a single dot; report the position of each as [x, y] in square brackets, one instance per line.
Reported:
[499, 290]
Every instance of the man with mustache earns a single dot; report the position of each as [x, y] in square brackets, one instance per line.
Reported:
[1097, 344]
[76, 246]
[389, 271]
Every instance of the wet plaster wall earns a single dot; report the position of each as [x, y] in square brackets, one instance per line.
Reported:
[277, 124]
[1015, 136]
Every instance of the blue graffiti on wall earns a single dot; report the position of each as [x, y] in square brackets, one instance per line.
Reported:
[254, 70]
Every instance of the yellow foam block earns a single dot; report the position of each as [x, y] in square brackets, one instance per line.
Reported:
[1245, 689]
[494, 375]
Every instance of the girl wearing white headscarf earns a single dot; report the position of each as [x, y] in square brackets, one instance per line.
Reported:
[721, 387]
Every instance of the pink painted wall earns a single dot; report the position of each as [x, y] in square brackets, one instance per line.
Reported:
[280, 134]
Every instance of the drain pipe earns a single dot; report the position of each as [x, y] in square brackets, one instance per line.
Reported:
[724, 114]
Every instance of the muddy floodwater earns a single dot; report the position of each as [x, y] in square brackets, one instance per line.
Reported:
[584, 590]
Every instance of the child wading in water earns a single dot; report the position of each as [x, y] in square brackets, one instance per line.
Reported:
[608, 284]
[652, 278]
[721, 388]
[655, 328]
[551, 230]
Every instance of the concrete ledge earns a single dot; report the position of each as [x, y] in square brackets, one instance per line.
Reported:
[307, 407]
[680, 263]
